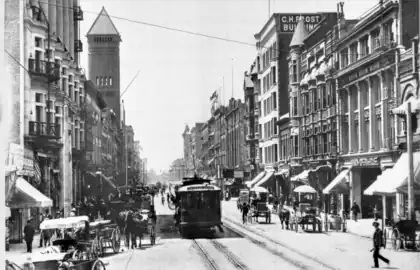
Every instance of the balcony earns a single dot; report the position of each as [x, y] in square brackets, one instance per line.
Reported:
[42, 68]
[78, 46]
[43, 129]
[78, 14]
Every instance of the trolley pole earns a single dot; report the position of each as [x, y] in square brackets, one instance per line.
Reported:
[411, 198]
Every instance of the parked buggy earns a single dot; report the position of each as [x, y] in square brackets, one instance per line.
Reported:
[145, 226]
[260, 204]
[405, 235]
[106, 235]
[306, 213]
[73, 253]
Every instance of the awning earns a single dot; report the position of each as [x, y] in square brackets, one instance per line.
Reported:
[109, 181]
[338, 185]
[402, 109]
[10, 169]
[375, 185]
[24, 195]
[210, 161]
[283, 172]
[323, 167]
[395, 179]
[256, 179]
[266, 177]
[303, 176]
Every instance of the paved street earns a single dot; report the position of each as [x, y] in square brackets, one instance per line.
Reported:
[251, 246]
[338, 250]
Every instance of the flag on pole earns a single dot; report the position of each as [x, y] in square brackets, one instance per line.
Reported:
[37, 169]
[214, 96]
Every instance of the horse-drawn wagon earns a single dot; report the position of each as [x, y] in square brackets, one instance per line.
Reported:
[306, 213]
[70, 253]
[106, 235]
[405, 235]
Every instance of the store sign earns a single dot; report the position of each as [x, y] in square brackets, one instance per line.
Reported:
[16, 156]
[239, 174]
[365, 162]
[288, 22]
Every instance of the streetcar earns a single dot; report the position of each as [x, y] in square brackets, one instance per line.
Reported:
[198, 206]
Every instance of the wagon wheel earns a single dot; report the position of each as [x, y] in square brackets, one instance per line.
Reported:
[116, 240]
[396, 239]
[76, 255]
[100, 247]
[98, 265]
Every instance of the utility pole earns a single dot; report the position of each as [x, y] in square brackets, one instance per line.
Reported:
[411, 198]
[125, 147]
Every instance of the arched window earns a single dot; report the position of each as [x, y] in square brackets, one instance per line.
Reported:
[105, 80]
[102, 81]
[97, 80]
[110, 81]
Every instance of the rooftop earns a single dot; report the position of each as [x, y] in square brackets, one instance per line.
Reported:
[103, 25]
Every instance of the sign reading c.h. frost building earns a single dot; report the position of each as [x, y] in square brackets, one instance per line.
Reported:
[288, 22]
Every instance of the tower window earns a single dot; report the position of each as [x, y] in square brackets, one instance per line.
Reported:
[105, 80]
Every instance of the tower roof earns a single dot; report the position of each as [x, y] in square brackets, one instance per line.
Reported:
[299, 35]
[103, 25]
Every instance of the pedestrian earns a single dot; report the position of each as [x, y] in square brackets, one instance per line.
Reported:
[245, 210]
[378, 242]
[355, 210]
[29, 233]
[46, 234]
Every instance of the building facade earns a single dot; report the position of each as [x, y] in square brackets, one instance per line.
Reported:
[313, 119]
[235, 139]
[196, 145]
[251, 122]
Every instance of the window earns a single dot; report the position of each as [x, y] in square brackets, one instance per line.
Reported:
[38, 42]
[38, 97]
[296, 146]
[344, 58]
[275, 125]
[353, 52]
[325, 97]
[274, 100]
[97, 80]
[105, 80]
[273, 71]
[325, 141]
[293, 74]
[364, 46]
[110, 81]
[315, 96]
[375, 39]
[295, 106]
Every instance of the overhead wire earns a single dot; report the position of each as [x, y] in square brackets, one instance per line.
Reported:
[181, 30]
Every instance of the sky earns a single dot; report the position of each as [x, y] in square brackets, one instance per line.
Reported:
[178, 72]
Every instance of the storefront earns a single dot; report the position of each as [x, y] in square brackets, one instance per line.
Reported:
[391, 188]
[338, 191]
[21, 198]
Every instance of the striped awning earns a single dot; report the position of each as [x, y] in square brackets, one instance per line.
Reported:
[24, 195]
[402, 109]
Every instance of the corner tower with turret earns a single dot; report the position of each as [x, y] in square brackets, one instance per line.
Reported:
[296, 46]
[104, 60]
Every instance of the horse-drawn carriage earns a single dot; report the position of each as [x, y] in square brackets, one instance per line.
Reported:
[260, 204]
[405, 235]
[106, 235]
[306, 213]
[76, 253]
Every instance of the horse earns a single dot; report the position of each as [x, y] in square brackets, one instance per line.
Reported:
[284, 215]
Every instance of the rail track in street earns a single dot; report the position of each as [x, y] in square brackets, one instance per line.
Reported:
[221, 249]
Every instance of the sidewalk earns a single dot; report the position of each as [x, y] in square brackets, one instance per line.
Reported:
[17, 252]
[342, 250]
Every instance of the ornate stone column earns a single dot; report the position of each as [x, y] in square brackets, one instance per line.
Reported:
[66, 24]
[52, 16]
[361, 116]
[372, 116]
[71, 28]
[350, 121]
[59, 18]
[384, 114]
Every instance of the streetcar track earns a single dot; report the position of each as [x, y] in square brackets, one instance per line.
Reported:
[206, 256]
[273, 250]
[229, 255]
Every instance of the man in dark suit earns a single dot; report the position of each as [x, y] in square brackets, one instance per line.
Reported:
[377, 244]
[29, 232]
